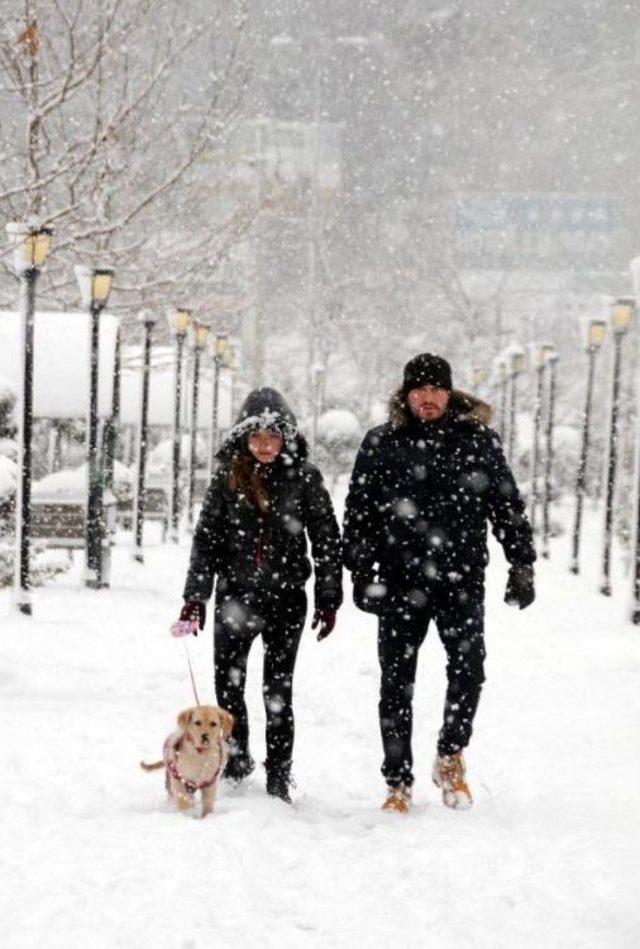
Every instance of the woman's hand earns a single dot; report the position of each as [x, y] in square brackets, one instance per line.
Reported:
[194, 611]
[326, 618]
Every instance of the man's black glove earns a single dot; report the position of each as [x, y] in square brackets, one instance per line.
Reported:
[520, 589]
[370, 594]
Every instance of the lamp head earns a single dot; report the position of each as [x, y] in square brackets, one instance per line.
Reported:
[201, 334]
[478, 376]
[595, 332]
[622, 311]
[94, 284]
[179, 321]
[31, 245]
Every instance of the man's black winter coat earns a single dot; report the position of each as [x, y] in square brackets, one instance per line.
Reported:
[252, 551]
[420, 497]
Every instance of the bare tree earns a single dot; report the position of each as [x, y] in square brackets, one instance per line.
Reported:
[114, 138]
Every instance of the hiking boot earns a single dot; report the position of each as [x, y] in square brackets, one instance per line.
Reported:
[238, 767]
[448, 774]
[279, 782]
[398, 799]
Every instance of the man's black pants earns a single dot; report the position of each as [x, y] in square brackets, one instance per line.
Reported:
[239, 618]
[458, 611]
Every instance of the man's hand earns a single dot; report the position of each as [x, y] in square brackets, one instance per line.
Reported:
[195, 611]
[520, 588]
[326, 619]
[369, 593]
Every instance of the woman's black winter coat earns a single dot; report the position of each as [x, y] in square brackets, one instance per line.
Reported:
[266, 552]
[420, 497]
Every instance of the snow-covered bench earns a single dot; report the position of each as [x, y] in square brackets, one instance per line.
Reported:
[58, 509]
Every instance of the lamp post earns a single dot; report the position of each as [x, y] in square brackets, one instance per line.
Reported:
[179, 322]
[595, 333]
[148, 323]
[220, 354]
[478, 376]
[538, 359]
[551, 360]
[635, 593]
[31, 244]
[501, 367]
[200, 337]
[516, 366]
[317, 377]
[232, 366]
[95, 286]
[111, 424]
[621, 316]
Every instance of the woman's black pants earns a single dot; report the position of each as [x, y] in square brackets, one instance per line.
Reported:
[279, 620]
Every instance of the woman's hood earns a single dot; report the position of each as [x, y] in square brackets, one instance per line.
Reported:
[265, 408]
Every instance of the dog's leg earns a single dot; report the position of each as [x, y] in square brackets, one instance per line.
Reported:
[208, 799]
[178, 793]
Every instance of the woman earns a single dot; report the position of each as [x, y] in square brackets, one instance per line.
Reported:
[251, 537]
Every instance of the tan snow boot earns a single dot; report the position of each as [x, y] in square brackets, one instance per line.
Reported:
[448, 774]
[398, 799]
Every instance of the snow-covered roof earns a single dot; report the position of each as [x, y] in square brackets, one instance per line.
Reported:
[162, 389]
[60, 361]
[71, 484]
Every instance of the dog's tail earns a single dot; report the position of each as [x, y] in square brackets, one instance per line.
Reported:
[152, 767]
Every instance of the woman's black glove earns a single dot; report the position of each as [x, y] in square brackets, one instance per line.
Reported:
[520, 589]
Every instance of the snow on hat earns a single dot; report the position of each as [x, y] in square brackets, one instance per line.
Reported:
[427, 370]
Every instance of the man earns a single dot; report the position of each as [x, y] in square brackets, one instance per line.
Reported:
[415, 539]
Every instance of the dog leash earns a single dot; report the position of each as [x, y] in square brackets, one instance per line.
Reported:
[193, 681]
[182, 629]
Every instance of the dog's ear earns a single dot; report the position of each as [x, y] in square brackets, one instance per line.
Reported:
[183, 718]
[228, 721]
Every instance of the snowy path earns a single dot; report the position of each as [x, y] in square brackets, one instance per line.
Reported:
[92, 856]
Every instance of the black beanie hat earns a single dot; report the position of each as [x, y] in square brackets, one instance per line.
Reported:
[427, 370]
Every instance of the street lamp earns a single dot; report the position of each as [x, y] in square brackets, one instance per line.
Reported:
[31, 244]
[95, 286]
[501, 368]
[595, 331]
[478, 376]
[622, 311]
[317, 378]
[200, 337]
[179, 322]
[148, 323]
[551, 360]
[220, 354]
[516, 365]
[539, 362]
[635, 608]
[110, 432]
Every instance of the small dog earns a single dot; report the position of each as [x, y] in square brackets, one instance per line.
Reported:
[194, 756]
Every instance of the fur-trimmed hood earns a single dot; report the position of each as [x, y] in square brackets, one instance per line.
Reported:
[463, 406]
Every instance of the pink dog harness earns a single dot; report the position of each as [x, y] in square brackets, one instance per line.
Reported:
[170, 754]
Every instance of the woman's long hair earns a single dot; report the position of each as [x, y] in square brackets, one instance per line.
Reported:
[244, 478]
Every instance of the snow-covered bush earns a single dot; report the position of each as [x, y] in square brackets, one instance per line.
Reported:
[45, 564]
[7, 406]
[338, 437]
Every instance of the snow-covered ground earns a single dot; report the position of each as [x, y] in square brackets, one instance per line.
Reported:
[92, 855]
